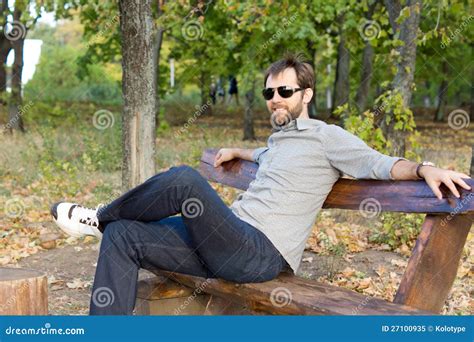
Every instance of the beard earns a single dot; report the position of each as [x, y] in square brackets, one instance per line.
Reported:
[282, 115]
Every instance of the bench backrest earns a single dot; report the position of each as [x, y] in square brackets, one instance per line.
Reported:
[396, 196]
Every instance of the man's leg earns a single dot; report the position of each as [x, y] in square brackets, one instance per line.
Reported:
[129, 245]
[231, 248]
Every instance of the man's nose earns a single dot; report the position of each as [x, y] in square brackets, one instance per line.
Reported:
[276, 97]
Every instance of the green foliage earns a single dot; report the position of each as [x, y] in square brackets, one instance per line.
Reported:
[90, 149]
[398, 229]
[364, 126]
[56, 79]
[163, 123]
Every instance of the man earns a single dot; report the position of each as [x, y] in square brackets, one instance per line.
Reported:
[264, 230]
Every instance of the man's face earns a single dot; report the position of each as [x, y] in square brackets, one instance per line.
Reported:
[284, 110]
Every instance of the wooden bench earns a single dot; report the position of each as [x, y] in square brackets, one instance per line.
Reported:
[424, 287]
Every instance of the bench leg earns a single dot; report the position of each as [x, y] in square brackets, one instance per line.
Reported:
[434, 262]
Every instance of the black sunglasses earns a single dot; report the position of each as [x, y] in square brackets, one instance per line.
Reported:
[283, 91]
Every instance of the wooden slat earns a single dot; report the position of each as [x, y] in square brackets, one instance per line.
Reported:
[433, 264]
[396, 196]
[299, 297]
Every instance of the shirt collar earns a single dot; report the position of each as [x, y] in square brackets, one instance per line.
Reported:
[298, 124]
[305, 123]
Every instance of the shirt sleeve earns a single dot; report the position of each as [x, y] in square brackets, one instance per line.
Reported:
[257, 154]
[351, 156]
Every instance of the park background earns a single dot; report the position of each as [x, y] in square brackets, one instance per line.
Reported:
[396, 73]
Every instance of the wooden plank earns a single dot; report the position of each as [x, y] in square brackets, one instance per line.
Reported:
[292, 295]
[395, 196]
[433, 264]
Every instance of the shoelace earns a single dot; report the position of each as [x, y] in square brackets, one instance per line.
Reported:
[86, 215]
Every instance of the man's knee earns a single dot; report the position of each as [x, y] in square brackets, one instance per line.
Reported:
[186, 173]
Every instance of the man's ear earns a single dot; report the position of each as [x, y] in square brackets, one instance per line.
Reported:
[307, 95]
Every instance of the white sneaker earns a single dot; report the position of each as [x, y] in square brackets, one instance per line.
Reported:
[76, 220]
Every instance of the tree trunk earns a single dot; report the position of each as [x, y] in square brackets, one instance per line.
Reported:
[249, 133]
[312, 104]
[328, 91]
[472, 162]
[403, 80]
[139, 91]
[393, 8]
[205, 80]
[341, 84]
[365, 78]
[367, 63]
[15, 120]
[471, 101]
[156, 57]
[5, 48]
[443, 88]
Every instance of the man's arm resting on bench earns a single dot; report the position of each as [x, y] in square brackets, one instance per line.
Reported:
[434, 176]
[226, 154]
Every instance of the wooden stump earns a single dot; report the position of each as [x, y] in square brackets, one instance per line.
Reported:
[23, 292]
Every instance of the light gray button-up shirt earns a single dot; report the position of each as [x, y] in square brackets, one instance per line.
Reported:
[296, 172]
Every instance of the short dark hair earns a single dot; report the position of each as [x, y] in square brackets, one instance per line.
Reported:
[304, 70]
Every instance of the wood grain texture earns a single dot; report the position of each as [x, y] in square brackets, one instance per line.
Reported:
[394, 196]
[290, 295]
[433, 264]
[23, 292]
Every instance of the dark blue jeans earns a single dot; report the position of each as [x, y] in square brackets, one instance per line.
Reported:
[206, 240]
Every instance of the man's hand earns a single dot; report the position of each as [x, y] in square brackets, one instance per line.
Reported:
[223, 155]
[226, 154]
[435, 176]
